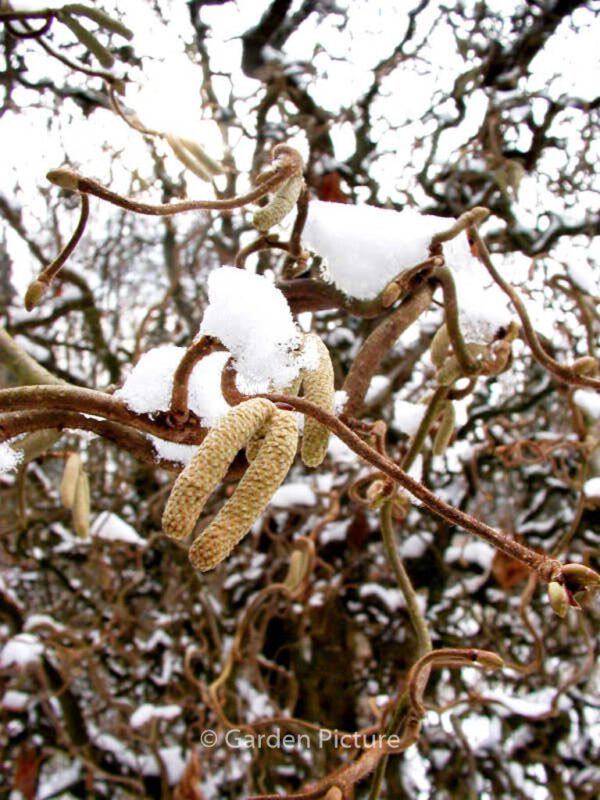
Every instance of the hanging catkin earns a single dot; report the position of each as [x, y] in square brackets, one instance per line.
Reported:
[210, 464]
[262, 478]
[317, 386]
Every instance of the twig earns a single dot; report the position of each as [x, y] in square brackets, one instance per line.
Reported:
[40, 285]
[203, 347]
[564, 372]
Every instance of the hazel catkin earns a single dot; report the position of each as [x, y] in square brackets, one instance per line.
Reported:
[262, 478]
[210, 464]
[317, 386]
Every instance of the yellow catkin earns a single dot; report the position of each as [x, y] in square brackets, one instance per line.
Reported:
[68, 484]
[283, 201]
[87, 39]
[187, 158]
[208, 467]
[262, 478]
[81, 506]
[317, 386]
[439, 347]
[101, 18]
[297, 570]
[255, 442]
[209, 163]
[446, 429]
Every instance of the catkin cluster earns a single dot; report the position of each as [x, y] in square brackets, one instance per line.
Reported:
[278, 442]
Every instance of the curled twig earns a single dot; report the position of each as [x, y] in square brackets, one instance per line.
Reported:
[568, 373]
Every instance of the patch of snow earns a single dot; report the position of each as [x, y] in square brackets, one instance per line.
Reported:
[340, 452]
[341, 398]
[21, 650]
[148, 712]
[294, 494]
[172, 757]
[149, 385]
[583, 277]
[42, 620]
[57, 777]
[532, 705]
[334, 532]
[408, 416]
[9, 458]
[172, 451]
[591, 488]
[588, 401]
[393, 599]
[15, 701]
[365, 247]
[482, 307]
[474, 552]
[252, 318]
[378, 385]
[415, 545]
[259, 703]
[112, 528]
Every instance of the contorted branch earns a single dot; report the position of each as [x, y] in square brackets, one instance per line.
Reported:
[547, 568]
[67, 398]
[88, 401]
[38, 288]
[569, 374]
[179, 398]
[377, 344]
[125, 438]
[289, 164]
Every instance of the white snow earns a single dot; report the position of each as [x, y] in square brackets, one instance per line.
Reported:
[112, 528]
[148, 712]
[259, 703]
[251, 317]
[172, 451]
[341, 398]
[334, 531]
[482, 306]
[365, 247]
[20, 651]
[474, 552]
[393, 599]
[42, 621]
[415, 545]
[339, 451]
[56, 777]
[588, 401]
[408, 416]
[149, 385]
[583, 277]
[591, 488]
[15, 701]
[9, 458]
[294, 494]
[172, 757]
[379, 384]
[534, 704]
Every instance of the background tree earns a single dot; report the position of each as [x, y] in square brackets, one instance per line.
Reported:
[116, 654]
